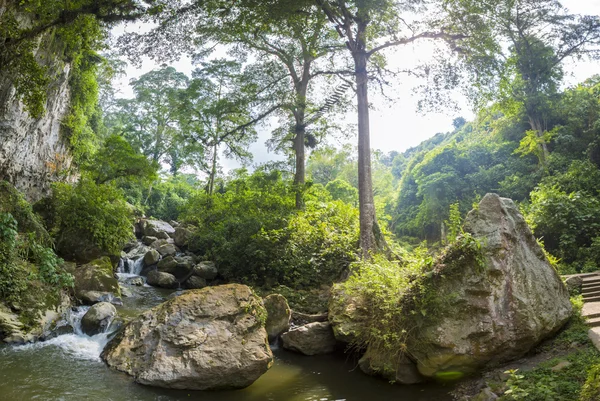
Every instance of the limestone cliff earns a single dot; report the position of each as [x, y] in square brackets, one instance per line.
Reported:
[33, 153]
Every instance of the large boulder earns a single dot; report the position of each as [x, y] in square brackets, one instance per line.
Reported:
[574, 284]
[93, 297]
[96, 276]
[278, 315]
[138, 251]
[157, 228]
[151, 257]
[181, 236]
[495, 304]
[98, 318]
[311, 339]
[167, 250]
[194, 282]
[160, 242]
[146, 240]
[346, 315]
[161, 279]
[181, 268]
[201, 340]
[167, 264]
[207, 270]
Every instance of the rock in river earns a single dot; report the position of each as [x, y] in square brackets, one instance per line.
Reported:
[213, 338]
[95, 277]
[311, 339]
[161, 279]
[97, 319]
[278, 315]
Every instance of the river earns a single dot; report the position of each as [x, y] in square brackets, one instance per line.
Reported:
[68, 367]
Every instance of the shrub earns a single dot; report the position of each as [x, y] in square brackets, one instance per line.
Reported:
[92, 213]
[229, 222]
[255, 235]
[25, 253]
[316, 247]
[11, 284]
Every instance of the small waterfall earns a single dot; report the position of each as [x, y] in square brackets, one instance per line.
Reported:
[130, 267]
[76, 344]
[274, 344]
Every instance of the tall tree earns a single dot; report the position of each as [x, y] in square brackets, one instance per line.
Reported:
[214, 105]
[293, 56]
[368, 27]
[150, 121]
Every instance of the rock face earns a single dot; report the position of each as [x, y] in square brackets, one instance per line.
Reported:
[96, 276]
[403, 370]
[33, 152]
[311, 339]
[203, 339]
[98, 318]
[278, 315]
[497, 311]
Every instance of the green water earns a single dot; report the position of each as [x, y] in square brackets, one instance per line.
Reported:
[67, 368]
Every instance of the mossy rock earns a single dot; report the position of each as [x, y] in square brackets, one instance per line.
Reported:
[95, 276]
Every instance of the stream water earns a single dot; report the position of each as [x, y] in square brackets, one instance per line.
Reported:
[68, 367]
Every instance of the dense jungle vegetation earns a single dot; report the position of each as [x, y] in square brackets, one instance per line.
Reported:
[325, 211]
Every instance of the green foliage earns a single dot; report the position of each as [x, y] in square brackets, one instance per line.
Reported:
[382, 288]
[542, 384]
[152, 121]
[65, 30]
[93, 213]
[343, 191]
[49, 266]
[253, 232]
[26, 258]
[117, 161]
[454, 223]
[11, 282]
[167, 198]
[13, 202]
[565, 211]
[229, 221]
[316, 247]
[591, 388]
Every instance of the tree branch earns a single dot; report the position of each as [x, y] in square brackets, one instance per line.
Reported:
[422, 35]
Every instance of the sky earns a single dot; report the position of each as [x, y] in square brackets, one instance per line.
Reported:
[395, 125]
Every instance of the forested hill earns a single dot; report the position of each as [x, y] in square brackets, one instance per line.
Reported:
[497, 153]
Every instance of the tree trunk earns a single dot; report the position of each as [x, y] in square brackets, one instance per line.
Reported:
[213, 171]
[368, 222]
[300, 176]
[538, 127]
